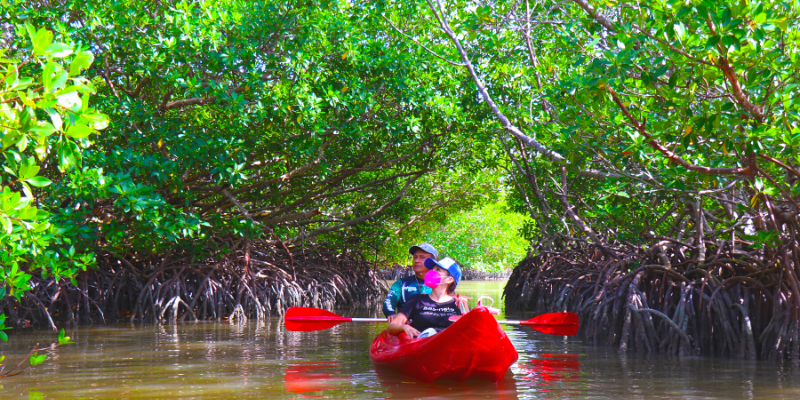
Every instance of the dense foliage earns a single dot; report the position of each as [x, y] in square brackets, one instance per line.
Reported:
[236, 119]
[667, 127]
[293, 123]
[656, 107]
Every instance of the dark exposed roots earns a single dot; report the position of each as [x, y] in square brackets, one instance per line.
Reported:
[256, 280]
[734, 303]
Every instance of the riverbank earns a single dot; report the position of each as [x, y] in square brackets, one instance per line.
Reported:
[734, 303]
[257, 279]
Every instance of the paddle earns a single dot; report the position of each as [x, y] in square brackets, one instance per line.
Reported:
[314, 319]
[557, 323]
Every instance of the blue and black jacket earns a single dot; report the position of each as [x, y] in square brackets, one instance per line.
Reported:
[401, 291]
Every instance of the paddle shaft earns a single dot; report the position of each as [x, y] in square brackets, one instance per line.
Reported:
[324, 318]
[314, 319]
[532, 323]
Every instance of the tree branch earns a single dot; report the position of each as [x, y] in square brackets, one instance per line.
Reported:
[736, 87]
[781, 164]
[597, 16]
[362, 218]
[669, 154]
[529, 141]
[421, 45]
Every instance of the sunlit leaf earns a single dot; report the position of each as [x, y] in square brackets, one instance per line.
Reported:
[38, 181]
[37, 359]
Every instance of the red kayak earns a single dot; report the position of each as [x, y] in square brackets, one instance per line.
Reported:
[474, 347]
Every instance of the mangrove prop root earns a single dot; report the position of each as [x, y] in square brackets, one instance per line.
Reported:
[733, 303]
[255, 280]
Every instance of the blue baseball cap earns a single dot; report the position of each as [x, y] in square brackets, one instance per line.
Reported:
[424, 247]
[447, 263]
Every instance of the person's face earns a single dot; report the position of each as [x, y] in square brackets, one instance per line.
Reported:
[418, 264]
[445, 274]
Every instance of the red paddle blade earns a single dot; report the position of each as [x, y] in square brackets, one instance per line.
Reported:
[562, 324]
[304, 319]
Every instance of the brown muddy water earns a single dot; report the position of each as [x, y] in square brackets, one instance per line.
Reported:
[217, 360]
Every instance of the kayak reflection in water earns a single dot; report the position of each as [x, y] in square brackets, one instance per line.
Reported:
[429, 313]
[314, 376]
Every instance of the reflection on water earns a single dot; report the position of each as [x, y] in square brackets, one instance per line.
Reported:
[554, 373]
[314, 377]
[400, 386]
[211, 360]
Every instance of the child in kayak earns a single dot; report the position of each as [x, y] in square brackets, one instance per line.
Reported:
[430, 313]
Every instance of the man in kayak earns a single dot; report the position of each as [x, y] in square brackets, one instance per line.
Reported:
[430, 313]
[404, 288]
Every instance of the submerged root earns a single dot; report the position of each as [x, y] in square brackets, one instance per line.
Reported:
[255, 281]
[734, 303]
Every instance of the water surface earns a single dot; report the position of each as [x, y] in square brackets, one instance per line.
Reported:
[217, 360]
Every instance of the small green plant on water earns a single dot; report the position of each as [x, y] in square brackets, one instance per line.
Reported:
[33, 356]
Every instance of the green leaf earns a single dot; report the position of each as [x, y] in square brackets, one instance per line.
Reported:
[76, 152]
[730, 42]
[712, 41]
[6, 223]
[81, 61]
[47, 75]
[11, 138]
[758, 184]
[660, 71]
[42, 41]
[3, 336]
[28, 213]
[66, 158]
[726, 16]
[79, 131]
[45, 129]
[71, 101]
[673, 80]
[39, 181]
[784, 25]
[63, 338]
[37, 359]
[27, 169]
[58, 50]
[680, 30]
[31, 31]
[60, 80]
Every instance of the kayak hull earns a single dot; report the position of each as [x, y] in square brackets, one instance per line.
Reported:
[474, 347]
